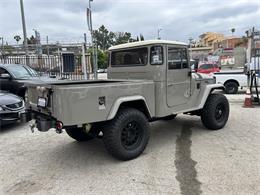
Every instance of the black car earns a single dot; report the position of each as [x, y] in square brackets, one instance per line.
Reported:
[14, 76]
[11, 107]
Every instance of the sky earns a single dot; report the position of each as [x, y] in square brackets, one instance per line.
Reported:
[65, 20]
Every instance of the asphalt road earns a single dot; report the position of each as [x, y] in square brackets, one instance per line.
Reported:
[182, 157]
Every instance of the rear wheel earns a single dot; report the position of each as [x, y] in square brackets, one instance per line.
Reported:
[231, 87]
[215, 112]
[81, 135]
[126, 136]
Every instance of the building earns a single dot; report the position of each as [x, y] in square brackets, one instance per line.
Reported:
[209, 38]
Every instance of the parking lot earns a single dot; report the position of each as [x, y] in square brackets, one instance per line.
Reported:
[182, 157]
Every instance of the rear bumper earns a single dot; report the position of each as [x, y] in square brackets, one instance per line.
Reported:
[42, 122]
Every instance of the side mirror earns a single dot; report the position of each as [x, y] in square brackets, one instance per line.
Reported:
[5, 76]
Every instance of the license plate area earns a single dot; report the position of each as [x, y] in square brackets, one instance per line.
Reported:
[42, 102]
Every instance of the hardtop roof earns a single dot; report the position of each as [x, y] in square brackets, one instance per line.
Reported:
[144, 43]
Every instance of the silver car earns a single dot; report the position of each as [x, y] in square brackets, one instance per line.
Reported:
[11, 107]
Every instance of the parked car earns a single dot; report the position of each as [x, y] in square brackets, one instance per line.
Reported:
[11, 106]
[208, 68]
[14, 76]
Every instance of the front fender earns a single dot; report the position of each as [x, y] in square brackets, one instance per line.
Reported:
[208, 90]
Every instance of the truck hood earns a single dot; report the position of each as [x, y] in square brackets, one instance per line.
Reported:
[8, 98]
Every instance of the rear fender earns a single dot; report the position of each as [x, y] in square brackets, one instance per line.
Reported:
[122, 100]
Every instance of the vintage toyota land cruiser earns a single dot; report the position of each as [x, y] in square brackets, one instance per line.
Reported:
[148, 81]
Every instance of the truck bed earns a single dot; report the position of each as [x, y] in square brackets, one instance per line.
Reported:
[78, 102]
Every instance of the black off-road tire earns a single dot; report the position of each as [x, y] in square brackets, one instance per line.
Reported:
[215, 112]
[81, 135]
[231, 87]
[126, 136]
[170, 117]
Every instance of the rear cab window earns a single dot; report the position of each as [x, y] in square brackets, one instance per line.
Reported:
[130, 57]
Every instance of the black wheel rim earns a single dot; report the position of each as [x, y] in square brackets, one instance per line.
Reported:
[231, 89]
[220, 112]
[131, 135]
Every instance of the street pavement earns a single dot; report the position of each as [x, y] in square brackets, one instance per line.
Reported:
[182, 157]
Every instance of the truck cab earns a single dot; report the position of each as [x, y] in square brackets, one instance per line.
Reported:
[167, 64]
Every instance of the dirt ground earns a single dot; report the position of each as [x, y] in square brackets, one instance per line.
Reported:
[182, 157]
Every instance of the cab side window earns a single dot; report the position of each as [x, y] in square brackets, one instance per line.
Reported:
[177, 58]
[156, 57]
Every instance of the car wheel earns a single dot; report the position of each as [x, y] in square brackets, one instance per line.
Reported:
[215, 112]
[126, 136]
[231, 87]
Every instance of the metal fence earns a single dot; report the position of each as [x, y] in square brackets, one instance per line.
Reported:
[67, 66]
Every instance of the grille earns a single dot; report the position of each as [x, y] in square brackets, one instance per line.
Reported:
[9, 115]
[15, 106]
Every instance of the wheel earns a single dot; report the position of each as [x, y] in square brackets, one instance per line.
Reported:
[231, 87]
[81, 135]
[170, 117]
[215, 112]
[126, 136]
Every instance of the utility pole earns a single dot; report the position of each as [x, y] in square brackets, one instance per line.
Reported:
[2, 51]
[38, 42]
[48, 49]
[158, 33]
[24, 32]
[190, 39]
[89, 20]
[86, 64]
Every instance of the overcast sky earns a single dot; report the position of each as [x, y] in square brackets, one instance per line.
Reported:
[65, 20]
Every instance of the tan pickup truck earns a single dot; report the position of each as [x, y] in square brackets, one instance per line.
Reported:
[147, 81]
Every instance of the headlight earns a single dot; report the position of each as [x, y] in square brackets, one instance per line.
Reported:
[1, 108]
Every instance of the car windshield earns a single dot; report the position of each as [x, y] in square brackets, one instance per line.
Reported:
[20, 71]
[206, 66]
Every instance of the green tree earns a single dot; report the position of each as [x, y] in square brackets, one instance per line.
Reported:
[103, 38]
[122, 37]
[102, 57]
[141, 37]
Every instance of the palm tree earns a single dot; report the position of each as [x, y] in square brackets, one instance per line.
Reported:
[232, 31]
[17, 38]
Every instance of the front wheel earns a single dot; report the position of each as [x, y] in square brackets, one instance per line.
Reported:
[126, 136]
[215, 112]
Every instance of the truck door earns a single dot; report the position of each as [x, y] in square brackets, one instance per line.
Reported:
[178, 76]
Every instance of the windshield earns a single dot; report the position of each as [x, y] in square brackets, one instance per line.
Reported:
[206, 66]
[20, 71]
